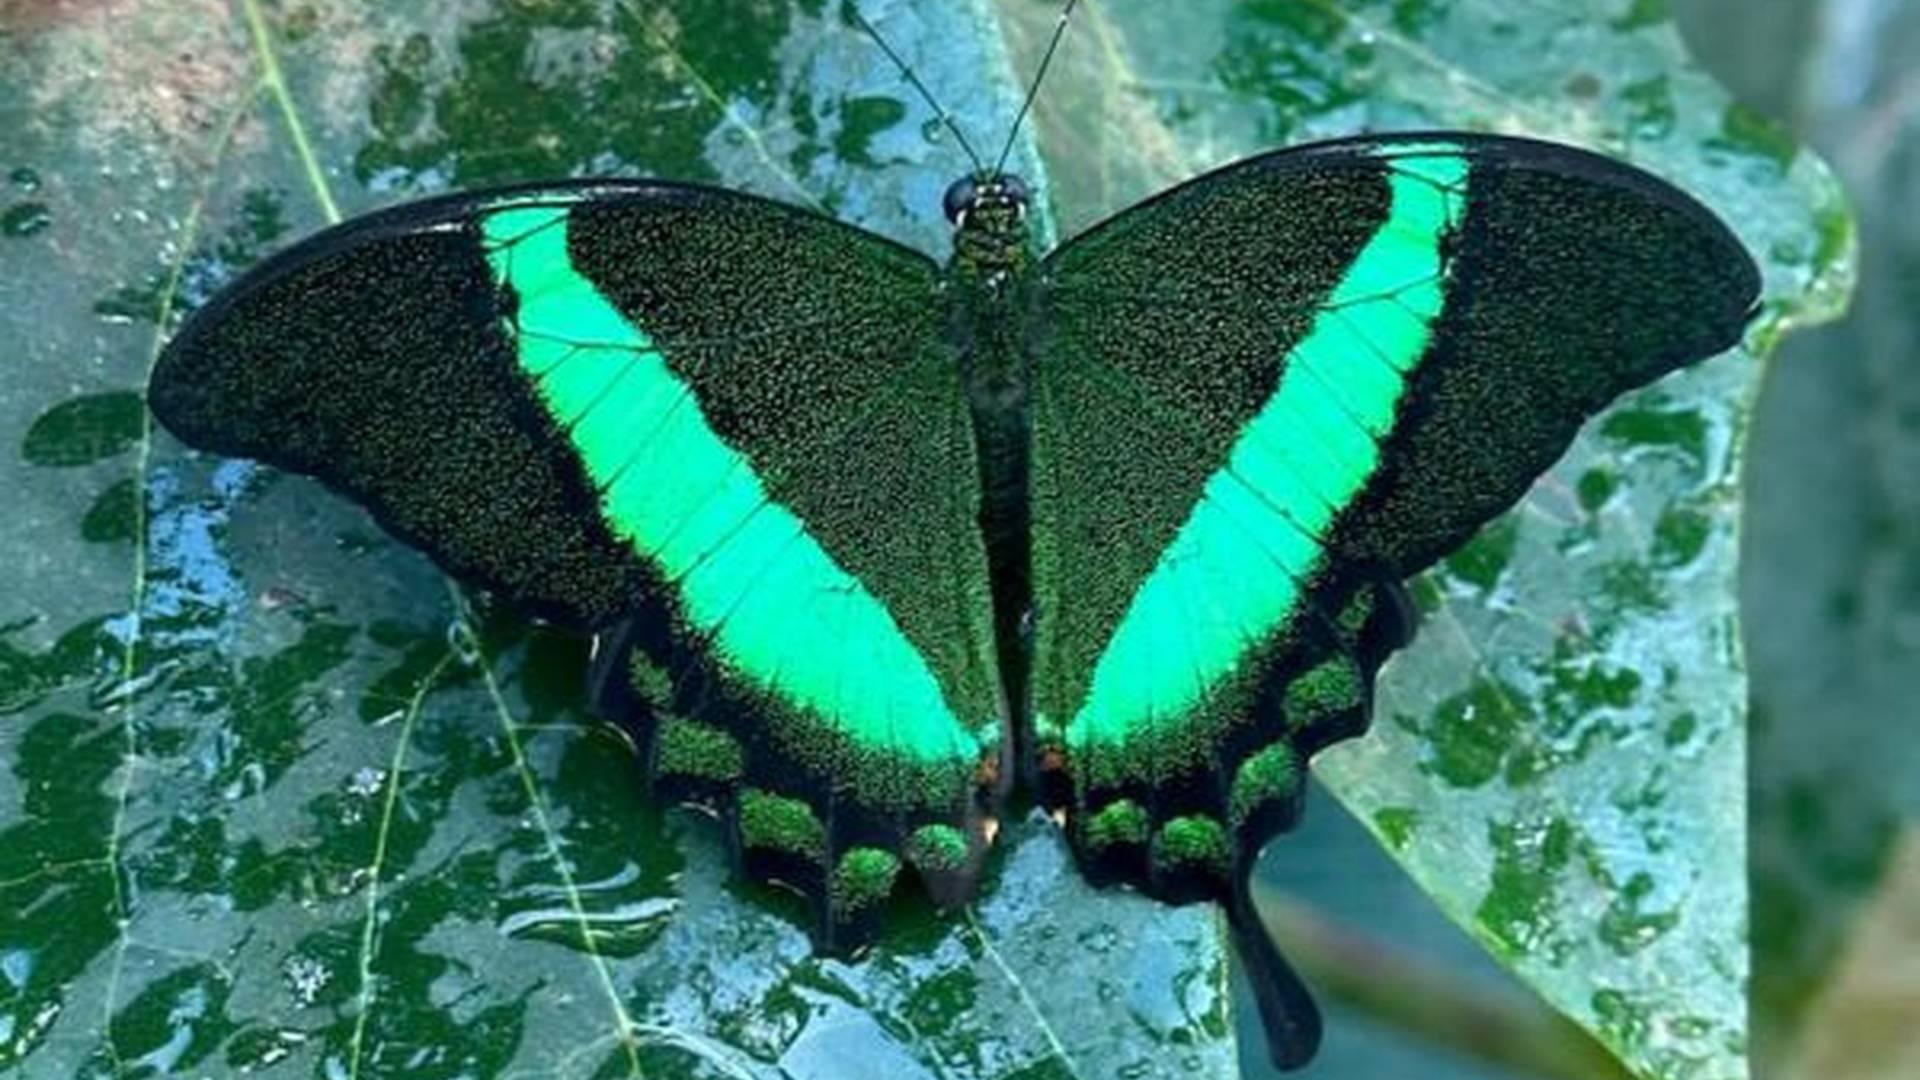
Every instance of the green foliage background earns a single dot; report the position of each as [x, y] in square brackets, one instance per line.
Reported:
[277, 799]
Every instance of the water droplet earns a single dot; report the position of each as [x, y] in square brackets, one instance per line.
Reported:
[367, 781]
[1099, 939]
[25, 219]
[461, 639]
[16, 965]
[305, 977]
[25, 179]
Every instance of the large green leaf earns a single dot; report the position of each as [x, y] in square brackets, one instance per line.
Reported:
[275, 801]
[1560, 759]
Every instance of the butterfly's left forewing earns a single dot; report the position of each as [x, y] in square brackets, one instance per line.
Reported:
[725, 432]
[1265, 397]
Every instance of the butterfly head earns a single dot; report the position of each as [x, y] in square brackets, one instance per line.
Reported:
[989, 216]
[1003, 193]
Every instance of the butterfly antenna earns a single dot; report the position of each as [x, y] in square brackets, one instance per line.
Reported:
[927, 95]
[1059, 31]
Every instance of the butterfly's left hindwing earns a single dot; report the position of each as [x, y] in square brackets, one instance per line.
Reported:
[723, 431]
[1262, 399]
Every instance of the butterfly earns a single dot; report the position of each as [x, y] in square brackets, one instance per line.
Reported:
[873, 545]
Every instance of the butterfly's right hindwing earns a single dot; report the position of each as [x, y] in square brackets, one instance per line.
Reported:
[724, 431]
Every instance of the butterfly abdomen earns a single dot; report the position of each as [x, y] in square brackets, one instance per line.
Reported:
[989, 330]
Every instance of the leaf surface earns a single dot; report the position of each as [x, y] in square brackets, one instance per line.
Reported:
[275, 799]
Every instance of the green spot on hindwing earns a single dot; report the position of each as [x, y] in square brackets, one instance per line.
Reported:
[864, 877]
[770, 822]
[649, 681]
[1119, 823]
[1326, 691]
[938, 848]
[1357, 614]
[686, 750]
[1310, 450]
[1271, 778]
[1195, 844]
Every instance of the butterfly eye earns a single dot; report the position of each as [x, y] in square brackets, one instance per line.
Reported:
[960, 197]
[1013, 189]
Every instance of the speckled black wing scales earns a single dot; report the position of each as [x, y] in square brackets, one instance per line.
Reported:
[723, 432]
[1265, 397]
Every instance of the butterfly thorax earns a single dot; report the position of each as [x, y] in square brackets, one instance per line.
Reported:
[990, 248]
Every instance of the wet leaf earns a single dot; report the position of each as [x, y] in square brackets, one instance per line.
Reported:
[85, 430]
[275, 802]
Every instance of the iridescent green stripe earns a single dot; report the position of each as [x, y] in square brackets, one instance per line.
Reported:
[1232, 574]
[751, 578]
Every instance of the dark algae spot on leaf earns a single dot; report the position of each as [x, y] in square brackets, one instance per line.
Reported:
[1520, 908]
[58, 893]
[86, 429]
[1630, 924]
[1595, 487]
[1632, 586]
[77, 657]
[1621, 1017]
[1650, 107]
[177, 1022]
[1679, 536]
[1680, 729]
[1295, 58]
[1682, 430]
[1642, 13]
[1471, 733]
[276, 697]
[1581, 697]
[417, 652]
[1745, 131]
[1396, 824]
[1486, 556]
[114, 515]
[1579, 686]
[936, 1003]
[860, 120]
[25, 219]
[1411, 17]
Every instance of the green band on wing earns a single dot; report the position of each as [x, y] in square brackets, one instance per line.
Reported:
[1309, 450]
[751, 578]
